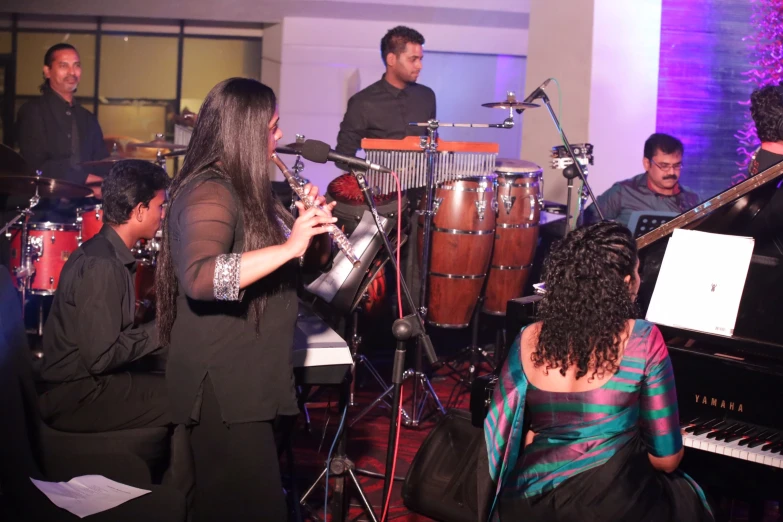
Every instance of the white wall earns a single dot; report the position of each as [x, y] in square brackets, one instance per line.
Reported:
[624, 87]
[490, 13]
[605, 55]
[326, 61]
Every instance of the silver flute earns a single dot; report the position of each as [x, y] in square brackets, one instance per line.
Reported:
[337, 235]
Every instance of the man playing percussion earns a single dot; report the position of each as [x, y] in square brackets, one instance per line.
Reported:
[89, 340]
[385, 108]
[657, 189]
[54, 132]
[383, 111]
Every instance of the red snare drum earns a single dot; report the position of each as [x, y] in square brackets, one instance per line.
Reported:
[50, 246]
[518, 194]
[463, 229]
[90, 221]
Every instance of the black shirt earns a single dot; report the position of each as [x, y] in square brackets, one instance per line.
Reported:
[767, 225]
[382, 111]
[89, 331]
[54, 136]
[252, 374]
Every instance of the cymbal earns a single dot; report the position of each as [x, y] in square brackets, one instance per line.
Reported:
[101, 167]
[48, 188]
[11, 163]
[180, 152]
[157, 143]
[108, 162]
[510, 104]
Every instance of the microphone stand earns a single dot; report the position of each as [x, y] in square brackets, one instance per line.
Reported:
[579, 172]
[408, 327]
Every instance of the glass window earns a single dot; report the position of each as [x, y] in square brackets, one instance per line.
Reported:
[31, 48]
[5, 42]
[138, 67]
[208, 61]
[138, 86]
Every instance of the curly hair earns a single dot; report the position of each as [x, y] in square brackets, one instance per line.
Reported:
[766, 109]
[587, 302]
[395, 40]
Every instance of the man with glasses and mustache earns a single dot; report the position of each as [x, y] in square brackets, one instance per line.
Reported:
[657, 189]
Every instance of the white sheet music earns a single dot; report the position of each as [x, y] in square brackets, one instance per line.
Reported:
[89, 494]
[701, 280]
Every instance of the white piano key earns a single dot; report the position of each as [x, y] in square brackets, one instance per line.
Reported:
[733, 450]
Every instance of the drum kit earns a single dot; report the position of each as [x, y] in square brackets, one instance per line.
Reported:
[39, 250]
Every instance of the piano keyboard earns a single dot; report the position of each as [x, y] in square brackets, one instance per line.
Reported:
[736, 440]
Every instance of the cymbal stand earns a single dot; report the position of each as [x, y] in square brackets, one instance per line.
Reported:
[422, 387]
[26, 268]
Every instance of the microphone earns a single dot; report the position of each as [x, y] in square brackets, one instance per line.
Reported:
[535, 94]
[320, 152]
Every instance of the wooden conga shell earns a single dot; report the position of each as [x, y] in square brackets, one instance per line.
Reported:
[461, 248]
[517, 196]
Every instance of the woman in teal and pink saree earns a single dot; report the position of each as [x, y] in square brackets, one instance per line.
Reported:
[602, 439]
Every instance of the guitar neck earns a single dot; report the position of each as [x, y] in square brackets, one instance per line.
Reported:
[711, 205]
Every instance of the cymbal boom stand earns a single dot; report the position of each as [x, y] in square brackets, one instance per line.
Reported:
[570, 221]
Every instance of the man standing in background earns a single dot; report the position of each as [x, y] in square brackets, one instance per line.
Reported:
[384, 110]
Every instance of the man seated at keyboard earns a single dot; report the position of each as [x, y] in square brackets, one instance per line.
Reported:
[89, 338]
[657, 188]
[604, 441]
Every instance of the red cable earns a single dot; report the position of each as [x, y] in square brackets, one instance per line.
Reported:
[394, 464]
[399, 304]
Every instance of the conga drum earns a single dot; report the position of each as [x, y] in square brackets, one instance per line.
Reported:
[462, 233]
[518, 203]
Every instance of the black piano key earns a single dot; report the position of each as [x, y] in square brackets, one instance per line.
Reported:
[734, 434]
[738, 434]
[724, 431]
[752, 439]
[777, 448]
[748, 436]
[708, 424]
[757, 442]
[771, 442]
[705, 428]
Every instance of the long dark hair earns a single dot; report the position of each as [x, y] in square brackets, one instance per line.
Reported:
[229, 141]
[587, 302]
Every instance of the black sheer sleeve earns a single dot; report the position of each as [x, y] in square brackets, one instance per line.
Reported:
[205, 218]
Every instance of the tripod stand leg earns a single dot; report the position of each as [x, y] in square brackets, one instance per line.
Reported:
[428, 385]
[361, 360]
[362, 496]
[303, 501]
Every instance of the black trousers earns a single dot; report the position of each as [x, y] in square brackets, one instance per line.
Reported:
[236, 468]
[120, 401]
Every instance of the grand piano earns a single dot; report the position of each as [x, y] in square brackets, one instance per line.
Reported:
[730, 389]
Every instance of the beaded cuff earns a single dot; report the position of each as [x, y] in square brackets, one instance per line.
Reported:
[226, 279]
